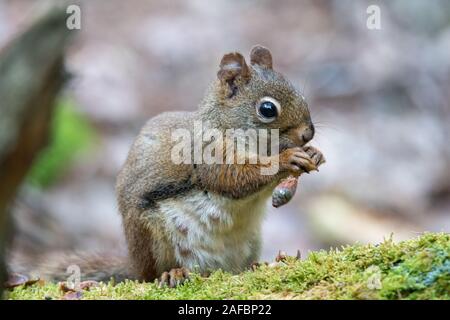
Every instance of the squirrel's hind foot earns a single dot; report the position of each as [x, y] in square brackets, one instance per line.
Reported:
[174, 277]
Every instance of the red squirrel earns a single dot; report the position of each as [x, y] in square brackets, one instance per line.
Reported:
[198, 216]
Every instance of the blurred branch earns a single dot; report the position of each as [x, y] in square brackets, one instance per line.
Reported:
[32, 73]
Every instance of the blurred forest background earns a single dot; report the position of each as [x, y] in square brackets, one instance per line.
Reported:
[379, 98]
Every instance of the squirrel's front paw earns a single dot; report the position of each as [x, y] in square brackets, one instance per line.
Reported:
[174, 277]
[296, 160]
[315, 155]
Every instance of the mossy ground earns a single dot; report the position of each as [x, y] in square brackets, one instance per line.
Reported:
[413, 269]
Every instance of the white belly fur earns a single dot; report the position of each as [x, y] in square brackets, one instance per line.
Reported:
[210, 232]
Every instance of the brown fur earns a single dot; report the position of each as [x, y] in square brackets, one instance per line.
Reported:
[139, 250]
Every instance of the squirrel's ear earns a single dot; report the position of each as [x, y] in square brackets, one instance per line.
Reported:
[261, 56]
[232, 66]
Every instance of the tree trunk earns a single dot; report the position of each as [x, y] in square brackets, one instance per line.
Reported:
[31, 75]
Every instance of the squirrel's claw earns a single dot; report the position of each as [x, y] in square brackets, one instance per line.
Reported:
[174, 277]
[316, 156]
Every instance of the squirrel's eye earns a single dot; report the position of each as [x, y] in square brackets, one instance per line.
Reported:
[268, 109]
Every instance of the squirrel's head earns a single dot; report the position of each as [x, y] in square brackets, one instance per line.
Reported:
[255, 96]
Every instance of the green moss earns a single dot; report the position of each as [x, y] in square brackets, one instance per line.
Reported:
[70, 135]
[413, 269]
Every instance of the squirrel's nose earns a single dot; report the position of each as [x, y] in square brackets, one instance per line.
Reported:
[308, 134]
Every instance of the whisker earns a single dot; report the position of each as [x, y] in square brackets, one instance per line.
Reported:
[325, 124]
[336, 129]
